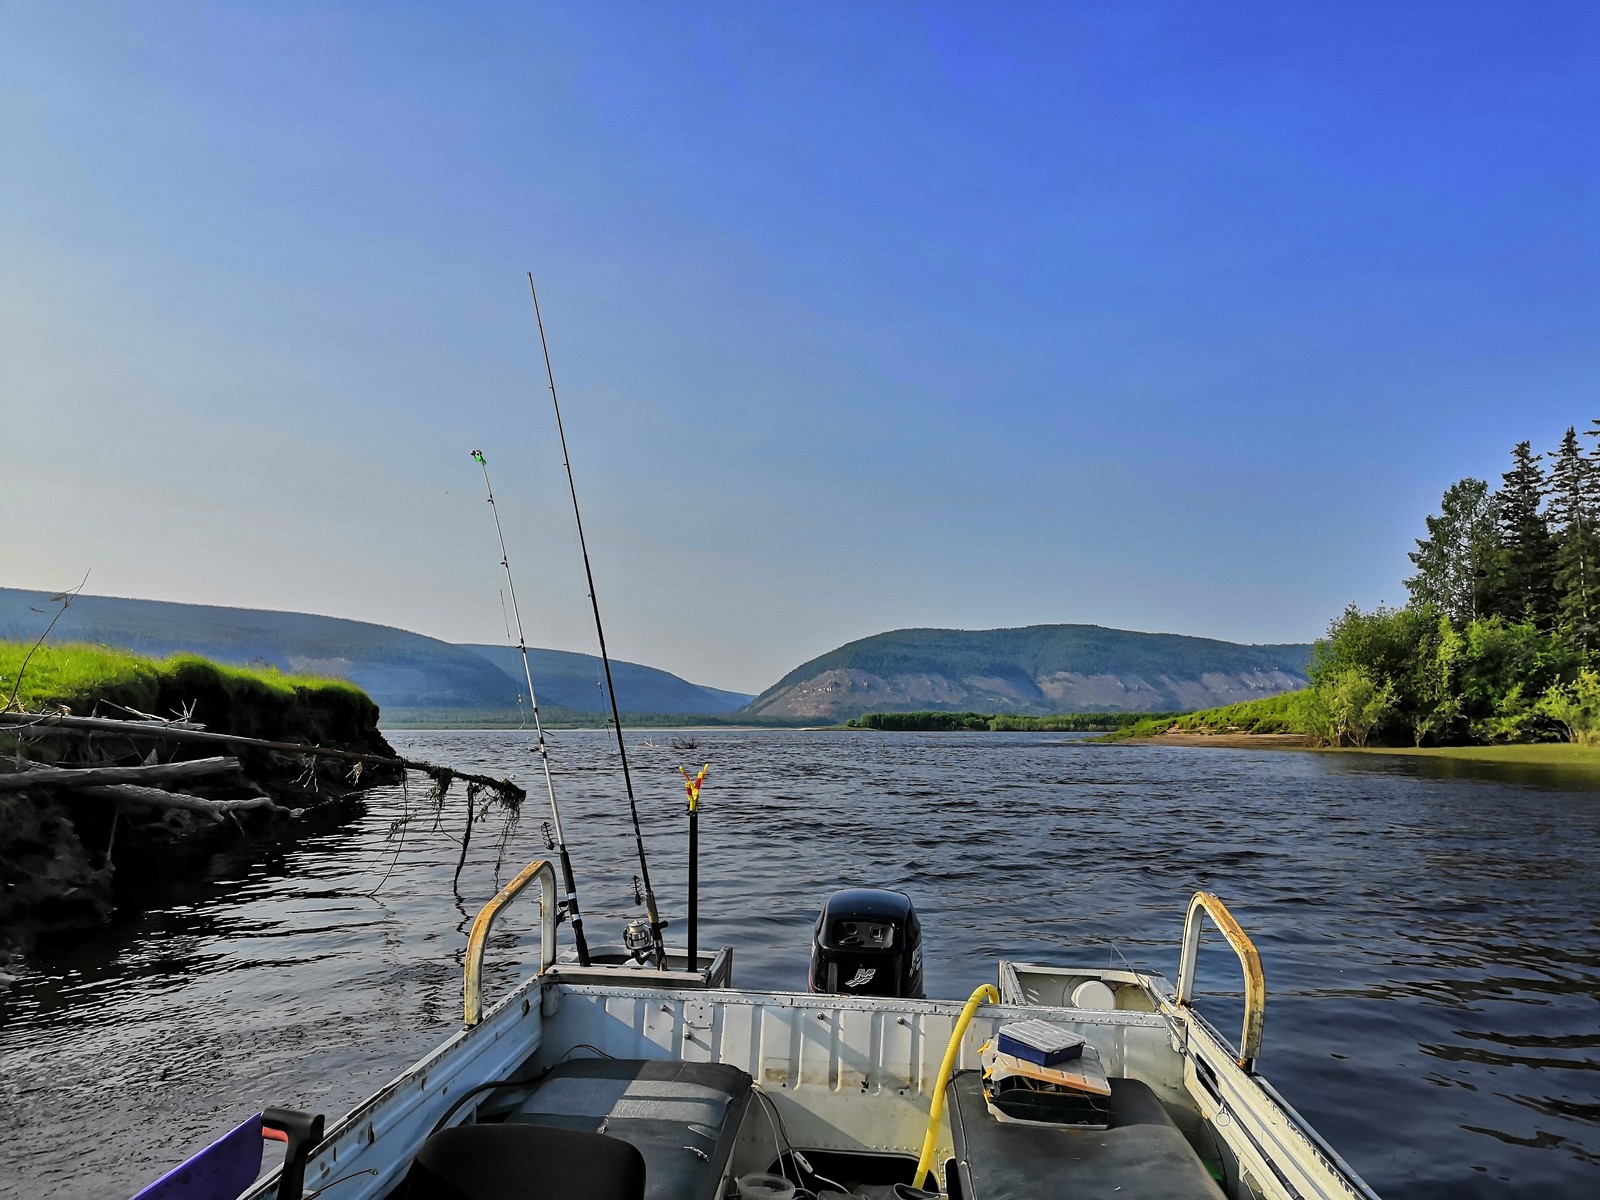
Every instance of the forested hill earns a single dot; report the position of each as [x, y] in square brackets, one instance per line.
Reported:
[1039, 669]
[406, 673]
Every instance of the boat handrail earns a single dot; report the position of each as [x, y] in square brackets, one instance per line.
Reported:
[1255, 982]
[541, 870]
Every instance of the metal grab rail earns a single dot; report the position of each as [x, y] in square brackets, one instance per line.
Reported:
[1255, 982]
[541, 870]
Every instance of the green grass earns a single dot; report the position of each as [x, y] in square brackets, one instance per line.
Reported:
[1271, 714]
[77, 675]
[1533, 754]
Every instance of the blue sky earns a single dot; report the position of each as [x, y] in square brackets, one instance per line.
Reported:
[1161, 316]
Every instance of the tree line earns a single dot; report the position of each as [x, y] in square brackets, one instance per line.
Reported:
[1500, 639]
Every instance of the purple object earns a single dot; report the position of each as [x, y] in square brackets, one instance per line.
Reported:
[222, 1171]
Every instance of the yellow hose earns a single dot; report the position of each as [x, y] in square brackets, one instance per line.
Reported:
[946, 1069]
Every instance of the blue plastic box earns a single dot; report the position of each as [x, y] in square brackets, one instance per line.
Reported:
[1039, 1042]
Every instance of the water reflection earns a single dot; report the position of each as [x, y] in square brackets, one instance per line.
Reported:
[1429, 933]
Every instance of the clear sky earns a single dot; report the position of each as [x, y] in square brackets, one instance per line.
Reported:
[1164, 316]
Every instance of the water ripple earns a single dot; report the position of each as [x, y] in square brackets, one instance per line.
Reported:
[1429, 933]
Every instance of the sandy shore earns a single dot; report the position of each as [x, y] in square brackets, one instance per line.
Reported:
[1227, 741]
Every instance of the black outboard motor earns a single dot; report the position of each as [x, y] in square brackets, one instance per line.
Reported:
[868, 943]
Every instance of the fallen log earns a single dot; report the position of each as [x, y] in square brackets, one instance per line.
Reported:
[38, 775]
[148, 797]
[174, 733]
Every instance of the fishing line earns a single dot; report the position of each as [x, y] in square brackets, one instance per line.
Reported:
[544, 751]
[656, 924]
[522, 720]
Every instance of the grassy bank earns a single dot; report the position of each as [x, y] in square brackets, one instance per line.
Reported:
[1531, 754]
[1272, 723]
[77, 677]
[1271, 714]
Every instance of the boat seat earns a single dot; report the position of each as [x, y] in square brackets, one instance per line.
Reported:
[523, 1162]
[1141, 1156]
[682, 1117]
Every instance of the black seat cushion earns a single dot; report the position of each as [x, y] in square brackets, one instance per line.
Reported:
[522, 1162]
[683, 1116]
[1142, 1156]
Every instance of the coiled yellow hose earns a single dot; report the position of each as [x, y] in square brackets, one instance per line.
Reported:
[925, 1163]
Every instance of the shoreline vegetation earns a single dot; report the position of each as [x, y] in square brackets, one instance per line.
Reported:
[1494, 658]
[79, 822]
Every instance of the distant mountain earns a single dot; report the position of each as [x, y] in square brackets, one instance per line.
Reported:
[399, 669]
[574, 681]
[1037, 670]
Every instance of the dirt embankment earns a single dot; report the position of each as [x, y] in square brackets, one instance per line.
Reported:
[63, 847]
[1228, 741]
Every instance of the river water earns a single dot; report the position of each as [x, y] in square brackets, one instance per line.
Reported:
[1431, 934]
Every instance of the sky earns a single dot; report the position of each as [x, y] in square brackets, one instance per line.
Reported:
[1165, 316]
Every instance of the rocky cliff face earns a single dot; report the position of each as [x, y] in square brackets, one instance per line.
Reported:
[1038, 670]
[839, 693]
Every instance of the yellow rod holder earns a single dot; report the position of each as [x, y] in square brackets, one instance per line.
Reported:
[546, 875]
[930, 1140]
[1255, 982]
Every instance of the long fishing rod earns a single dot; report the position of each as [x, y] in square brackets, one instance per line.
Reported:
[656, 924]
[544, 752]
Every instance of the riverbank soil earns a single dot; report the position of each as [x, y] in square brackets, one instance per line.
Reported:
[64, 848]
[1223, 741]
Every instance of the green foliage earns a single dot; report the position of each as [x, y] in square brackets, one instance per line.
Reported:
[924, 721]
[1576, 707]
[1524, 576]
[1271, 714]
[1310, 714]
[68, 674]
[1356, 702]
[77, 676]
[1428, 698]
[1456, 560]
[1572, 516]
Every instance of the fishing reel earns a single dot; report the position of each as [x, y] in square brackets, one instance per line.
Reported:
[638, 939]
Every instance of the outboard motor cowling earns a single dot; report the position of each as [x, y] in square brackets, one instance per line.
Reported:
[868, 942]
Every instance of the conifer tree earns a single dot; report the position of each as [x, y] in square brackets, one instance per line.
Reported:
[1571, 517]
[1456, 562]
[1524, 583]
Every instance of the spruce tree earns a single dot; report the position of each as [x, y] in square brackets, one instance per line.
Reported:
[1456, 562]
[1525, 575]
[1571, 516]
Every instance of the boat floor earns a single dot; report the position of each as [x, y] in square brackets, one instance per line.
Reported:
[685, 1119]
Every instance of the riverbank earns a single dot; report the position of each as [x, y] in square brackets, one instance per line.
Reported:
[1566, 756]
[87, 807]
[1220, 741]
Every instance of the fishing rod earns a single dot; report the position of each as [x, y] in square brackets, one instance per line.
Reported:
[544, 752]
[658, 946]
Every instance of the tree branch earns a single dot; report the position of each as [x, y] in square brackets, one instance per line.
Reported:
[34, 775]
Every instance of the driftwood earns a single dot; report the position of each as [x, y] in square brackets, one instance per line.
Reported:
[37, 775]
[510, 792]
[148, 797]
